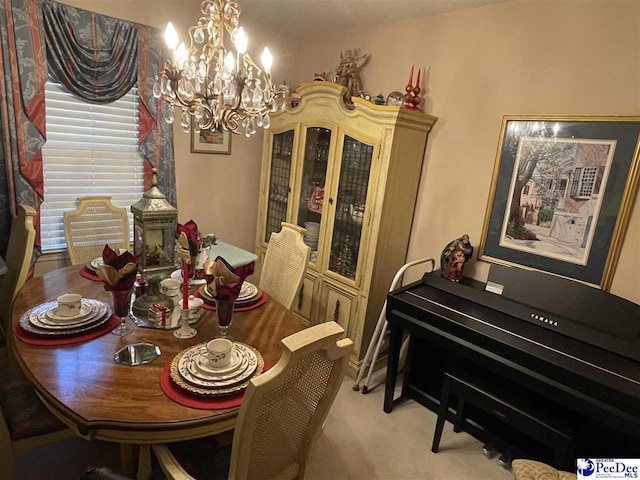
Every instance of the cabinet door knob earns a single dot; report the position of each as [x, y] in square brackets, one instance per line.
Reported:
[330, 201]
[336, 312]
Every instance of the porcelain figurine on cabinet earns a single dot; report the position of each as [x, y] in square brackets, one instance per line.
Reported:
[454, 256]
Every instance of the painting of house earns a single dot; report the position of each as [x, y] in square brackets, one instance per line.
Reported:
[555, 196]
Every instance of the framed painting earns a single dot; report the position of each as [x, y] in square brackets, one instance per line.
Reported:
[561, 195]
[210, 142]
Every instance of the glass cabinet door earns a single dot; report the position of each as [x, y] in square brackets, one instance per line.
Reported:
[350, 207]
[314, 172]
[279, 175]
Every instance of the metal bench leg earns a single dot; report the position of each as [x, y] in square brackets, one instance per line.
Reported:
[457, 423]
[442, 415]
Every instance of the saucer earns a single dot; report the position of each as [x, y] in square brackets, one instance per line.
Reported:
[54, 315]
[201, 362]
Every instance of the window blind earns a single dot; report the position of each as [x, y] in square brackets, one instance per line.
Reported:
[91, 149]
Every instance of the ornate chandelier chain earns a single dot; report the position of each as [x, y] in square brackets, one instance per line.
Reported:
[220, 89]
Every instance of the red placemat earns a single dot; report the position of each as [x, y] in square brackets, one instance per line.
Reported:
[86, 273]
[244, 308]
[200, 402]
[33, 339]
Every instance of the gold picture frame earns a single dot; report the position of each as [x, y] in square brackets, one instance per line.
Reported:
[210, 142]
[561, 194]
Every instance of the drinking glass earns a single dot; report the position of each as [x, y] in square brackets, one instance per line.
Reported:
[121, 300]
[224, 311]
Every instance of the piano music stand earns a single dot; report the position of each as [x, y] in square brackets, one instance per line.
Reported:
[380, 332]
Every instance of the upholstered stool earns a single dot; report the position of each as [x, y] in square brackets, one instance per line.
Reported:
[530, 470]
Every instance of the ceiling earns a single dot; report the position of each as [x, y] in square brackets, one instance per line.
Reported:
[300, 17]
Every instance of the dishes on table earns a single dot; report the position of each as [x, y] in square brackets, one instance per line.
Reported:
[38, 320]
[249, 294]
[95, 263]
[177, 275]
[191, 370]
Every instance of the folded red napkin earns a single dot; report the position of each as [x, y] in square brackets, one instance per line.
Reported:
[190, 229]
[224, 282]
[118, 271]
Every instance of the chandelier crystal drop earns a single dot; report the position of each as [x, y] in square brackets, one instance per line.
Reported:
[219, 89]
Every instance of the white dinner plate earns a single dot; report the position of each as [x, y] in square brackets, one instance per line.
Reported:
[96, 262]
[247, 291]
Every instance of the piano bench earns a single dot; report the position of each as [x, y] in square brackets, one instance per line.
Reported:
[512, 406]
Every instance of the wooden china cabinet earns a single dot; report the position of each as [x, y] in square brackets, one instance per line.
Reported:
[350, 175]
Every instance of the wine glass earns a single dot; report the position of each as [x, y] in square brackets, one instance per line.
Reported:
[224, 311]
[121, 300]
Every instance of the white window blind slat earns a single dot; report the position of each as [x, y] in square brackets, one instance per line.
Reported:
[91, 149]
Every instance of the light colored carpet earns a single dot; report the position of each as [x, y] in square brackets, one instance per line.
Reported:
[359, 441]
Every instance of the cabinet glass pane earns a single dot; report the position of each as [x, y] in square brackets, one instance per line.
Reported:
[314, 172]
[350, 207]
[279, 182]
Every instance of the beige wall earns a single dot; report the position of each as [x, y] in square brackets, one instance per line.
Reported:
[549, 57]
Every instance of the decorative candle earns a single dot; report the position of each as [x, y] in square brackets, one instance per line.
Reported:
[185, 285]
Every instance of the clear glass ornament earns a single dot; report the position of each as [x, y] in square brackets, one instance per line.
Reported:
[156, 89]
[198, 36]
[266, 121]
[217, 84]
[185, 122]
[169, 116]
[247, 96]
[257, 98]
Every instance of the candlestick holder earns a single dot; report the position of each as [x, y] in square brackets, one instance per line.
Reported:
[412, 98]
[185, 331]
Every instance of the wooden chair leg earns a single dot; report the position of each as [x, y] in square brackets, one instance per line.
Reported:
[442, 414]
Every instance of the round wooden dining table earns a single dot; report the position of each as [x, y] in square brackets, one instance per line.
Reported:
[99, 399]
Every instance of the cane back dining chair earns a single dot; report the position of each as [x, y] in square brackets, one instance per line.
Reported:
[24, 421]
[281, 415]
[93, 224]
[284, 264]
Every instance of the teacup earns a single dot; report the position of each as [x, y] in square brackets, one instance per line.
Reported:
[195, 306]
[69, 304]
[170, 286]
[219, 352]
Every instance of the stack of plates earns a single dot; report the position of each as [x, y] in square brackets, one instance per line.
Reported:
[311, 237]
[45, 319]
[191, 371]
[95, 263]
[249, 294]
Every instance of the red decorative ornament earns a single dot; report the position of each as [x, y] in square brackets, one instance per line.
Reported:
[412, 98]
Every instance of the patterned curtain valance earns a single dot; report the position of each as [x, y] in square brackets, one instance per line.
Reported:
[95, 57]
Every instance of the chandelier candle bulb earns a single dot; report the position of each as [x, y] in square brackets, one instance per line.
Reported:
[267, 60]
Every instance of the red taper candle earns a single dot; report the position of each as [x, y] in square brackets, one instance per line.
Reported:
[185, 285]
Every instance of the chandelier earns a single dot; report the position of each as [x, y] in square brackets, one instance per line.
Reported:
[219, 89]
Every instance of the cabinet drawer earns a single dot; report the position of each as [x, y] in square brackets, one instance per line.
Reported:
[339, 307]
[304, 303]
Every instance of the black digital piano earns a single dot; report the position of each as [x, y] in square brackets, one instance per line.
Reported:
[566, 346]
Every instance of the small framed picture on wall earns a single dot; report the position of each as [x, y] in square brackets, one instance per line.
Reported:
[210, 142]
